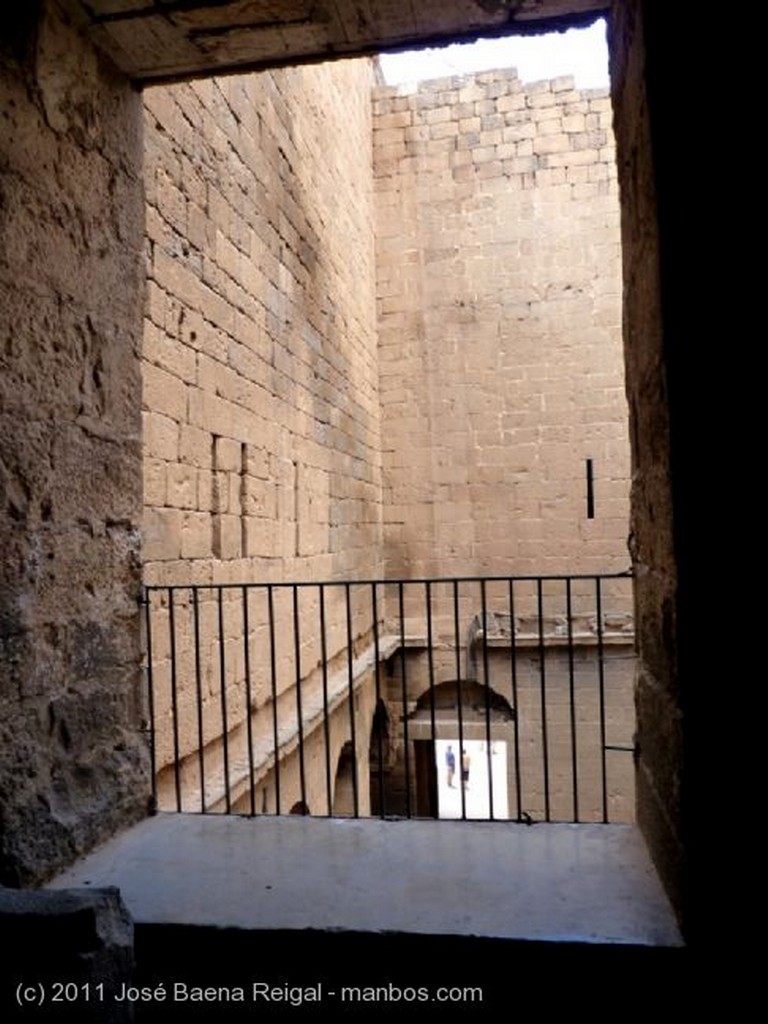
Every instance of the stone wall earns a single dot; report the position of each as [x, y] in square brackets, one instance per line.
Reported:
[261, 412]
[499, 298]
[73, 765]
[261, 408]
[657, 319]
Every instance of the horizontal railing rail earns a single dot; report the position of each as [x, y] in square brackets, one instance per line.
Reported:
[477, 698]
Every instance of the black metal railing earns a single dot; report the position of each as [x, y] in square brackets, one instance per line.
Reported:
[489, 698]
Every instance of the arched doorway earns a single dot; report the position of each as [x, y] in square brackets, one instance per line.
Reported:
[459, 733]
[412, 779]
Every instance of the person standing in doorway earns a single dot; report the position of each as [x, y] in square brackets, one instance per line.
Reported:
[450, 765]
[465, 762]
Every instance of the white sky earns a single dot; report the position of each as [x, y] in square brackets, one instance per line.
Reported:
[582, 53]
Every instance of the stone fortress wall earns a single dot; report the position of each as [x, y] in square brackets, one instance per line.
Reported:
[499, 316]
[261, 408]
[261, 411]
[499, 303]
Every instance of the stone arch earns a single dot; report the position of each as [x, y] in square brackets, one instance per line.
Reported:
[475, 697]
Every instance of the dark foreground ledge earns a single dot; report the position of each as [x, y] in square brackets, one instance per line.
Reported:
[279, 918]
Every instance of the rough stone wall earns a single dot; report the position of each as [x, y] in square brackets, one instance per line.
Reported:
[499, 296]
[73, 765]
[261, 411]
[652, 305]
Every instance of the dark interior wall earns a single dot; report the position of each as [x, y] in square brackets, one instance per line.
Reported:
[666, 319]
[72, 759]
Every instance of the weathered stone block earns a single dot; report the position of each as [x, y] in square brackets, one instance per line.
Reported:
[161, 436]
[164, 393]
[181, 486]
[161, 534]
[227, 536]
[154, 480]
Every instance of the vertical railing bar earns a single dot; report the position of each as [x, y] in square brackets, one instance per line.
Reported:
[273, 677]
[572, 695]
[515, 700]
[151, 700]
[299, 716]
[431, 669]
[351, 688]
[248, 699]
[174, 699]
[487, 681]
[377, 657]
[543, 692]
[326, 723]
[459, 696]
[601, 687]
[199, 691]
[224, 715]
[404, 685]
